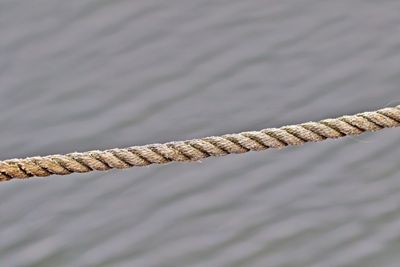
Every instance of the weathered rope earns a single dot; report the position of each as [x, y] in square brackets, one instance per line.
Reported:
[197, 149]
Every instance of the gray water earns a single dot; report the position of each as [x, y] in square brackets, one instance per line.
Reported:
[83, 74]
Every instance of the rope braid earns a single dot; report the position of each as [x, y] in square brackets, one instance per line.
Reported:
[197, 149]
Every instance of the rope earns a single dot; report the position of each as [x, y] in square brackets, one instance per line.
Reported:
[197, 149]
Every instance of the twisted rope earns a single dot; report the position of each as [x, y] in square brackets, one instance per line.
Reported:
[197, 149]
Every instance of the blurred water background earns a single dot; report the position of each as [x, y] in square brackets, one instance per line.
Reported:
[91, 74]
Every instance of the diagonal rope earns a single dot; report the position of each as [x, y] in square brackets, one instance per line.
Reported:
[197, 149]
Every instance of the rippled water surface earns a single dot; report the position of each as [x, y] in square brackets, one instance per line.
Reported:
[84, 74]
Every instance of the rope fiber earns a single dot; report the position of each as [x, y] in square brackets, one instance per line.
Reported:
[197, 149]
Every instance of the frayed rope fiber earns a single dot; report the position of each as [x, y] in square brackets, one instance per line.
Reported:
[197, 149]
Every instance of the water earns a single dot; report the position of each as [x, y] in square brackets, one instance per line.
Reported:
[84, 74]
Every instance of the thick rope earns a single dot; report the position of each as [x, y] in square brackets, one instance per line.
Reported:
[197, 149]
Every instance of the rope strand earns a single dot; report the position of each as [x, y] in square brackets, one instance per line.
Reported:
[197, 149]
